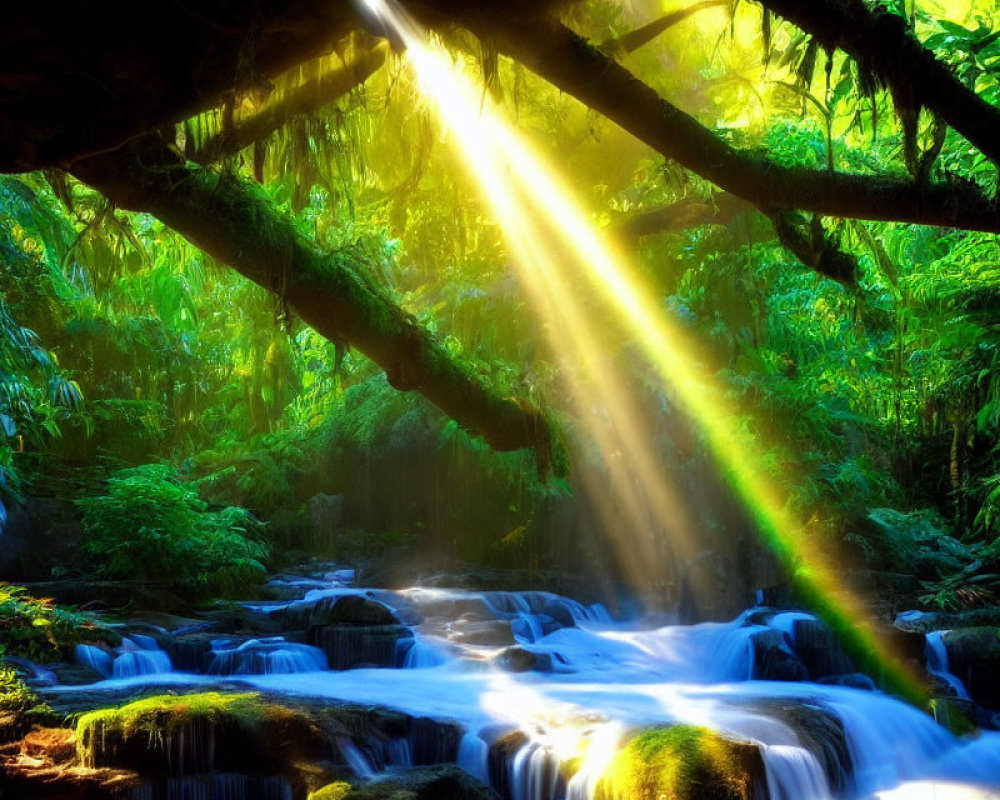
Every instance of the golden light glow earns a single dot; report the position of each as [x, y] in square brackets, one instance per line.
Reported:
[559, 252]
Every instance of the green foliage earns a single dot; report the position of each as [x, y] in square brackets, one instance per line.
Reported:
[37, 629]
[151, 526]
[954, 573]
[15, 695]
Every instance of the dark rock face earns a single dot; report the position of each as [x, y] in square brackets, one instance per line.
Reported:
[974, 658]
[774, 659]
[501, 755]
[190, 652]
[350, 646]
[822, 733]
[819, 649]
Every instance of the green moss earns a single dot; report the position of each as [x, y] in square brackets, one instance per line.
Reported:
[332, 791]
[210, 731]
[679, 763]
[162, 715]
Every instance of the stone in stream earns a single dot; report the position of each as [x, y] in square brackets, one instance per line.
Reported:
[774, 660]
[521, 659]
[352, 646]
[502, 752]
[974, 658]
[821, 732]
[491, 632]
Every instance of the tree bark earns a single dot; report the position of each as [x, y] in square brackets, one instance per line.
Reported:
[573, 65]
[234, 223]
[883, 44]
[306, 99]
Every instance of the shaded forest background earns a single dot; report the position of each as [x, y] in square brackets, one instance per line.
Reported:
[167, 422]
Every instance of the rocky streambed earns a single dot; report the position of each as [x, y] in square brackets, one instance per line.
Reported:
[335, 690]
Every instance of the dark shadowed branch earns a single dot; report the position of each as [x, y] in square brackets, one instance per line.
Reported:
[332, 291]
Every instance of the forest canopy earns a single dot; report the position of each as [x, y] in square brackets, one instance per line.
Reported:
[807, 190]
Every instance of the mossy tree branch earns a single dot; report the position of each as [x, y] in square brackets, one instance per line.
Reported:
[305, 99]
[233, 222]
[806, 240]
[883, 44]
[572, 64]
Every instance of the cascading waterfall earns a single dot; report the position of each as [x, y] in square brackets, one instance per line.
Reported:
[474, 756]
[589, 682]
[937, 663]
[793, 772]
[271, 656]
[141, 662]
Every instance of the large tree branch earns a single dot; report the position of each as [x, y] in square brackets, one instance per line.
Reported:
[305, 99]
[234, 223]
[566, 60]
[806, 240]
[883, 44]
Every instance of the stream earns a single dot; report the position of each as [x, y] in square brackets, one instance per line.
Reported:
[572, 680]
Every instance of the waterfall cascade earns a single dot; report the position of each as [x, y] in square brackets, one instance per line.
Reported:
[534, 693]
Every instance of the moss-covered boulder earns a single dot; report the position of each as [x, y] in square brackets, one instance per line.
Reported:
[442, 782]
[683, 762]
[202, 733]
[974, 657]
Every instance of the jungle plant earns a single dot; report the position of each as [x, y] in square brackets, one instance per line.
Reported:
[39, 630]
[151, 526]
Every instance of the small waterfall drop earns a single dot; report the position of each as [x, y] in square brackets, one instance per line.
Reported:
[793, 773]
[355, 759]
[937, 663]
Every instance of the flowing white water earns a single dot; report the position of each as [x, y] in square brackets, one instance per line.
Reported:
[355, 758]
[270, 656]
[607, 679]
[937, 663]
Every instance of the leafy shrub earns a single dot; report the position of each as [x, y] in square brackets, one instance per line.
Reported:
[39, 630]
[153, 527]
[15, 695]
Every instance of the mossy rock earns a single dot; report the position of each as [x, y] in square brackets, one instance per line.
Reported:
[683, 762]
[332, 791]
[442, 782]
[201, 733]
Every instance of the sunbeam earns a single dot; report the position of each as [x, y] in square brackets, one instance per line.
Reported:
[547, 230]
